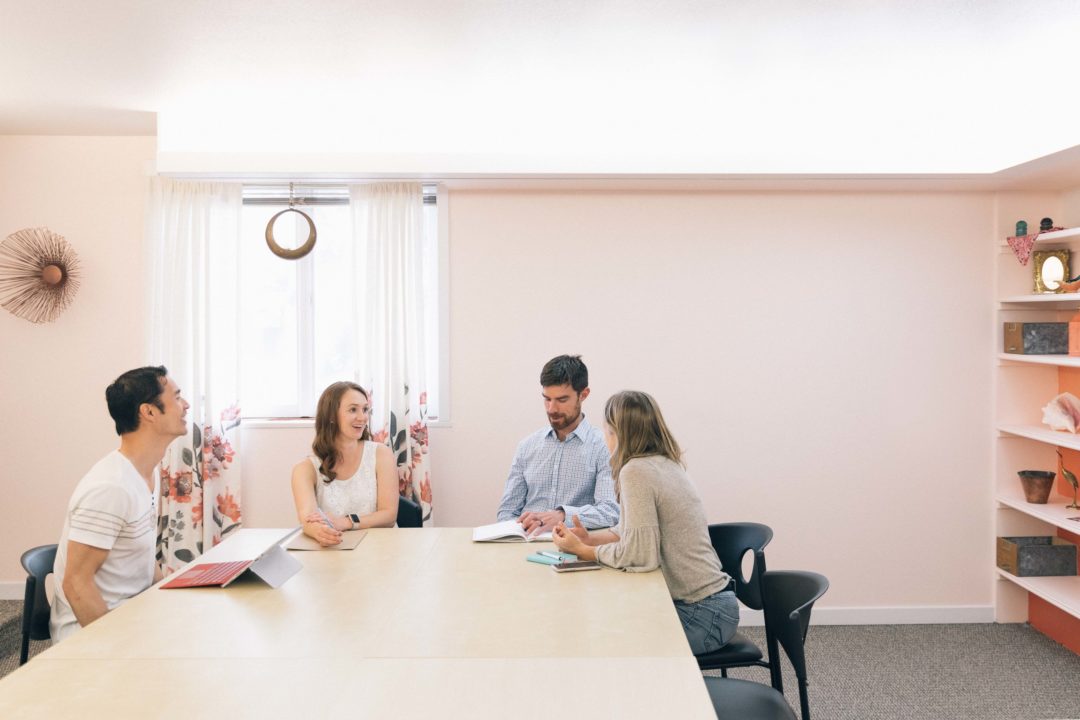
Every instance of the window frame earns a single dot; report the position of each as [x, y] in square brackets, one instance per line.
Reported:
[279, 194]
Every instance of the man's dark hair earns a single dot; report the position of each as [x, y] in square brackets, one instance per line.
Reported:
[565, 370]
[129, 391]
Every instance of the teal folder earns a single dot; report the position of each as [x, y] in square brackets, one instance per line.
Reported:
[545, 560]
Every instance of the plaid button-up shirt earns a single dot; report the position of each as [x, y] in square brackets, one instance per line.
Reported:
[573, 475]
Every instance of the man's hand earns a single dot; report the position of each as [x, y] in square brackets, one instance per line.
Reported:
[538, 522]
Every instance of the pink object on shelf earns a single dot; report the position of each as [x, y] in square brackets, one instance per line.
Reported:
[1021, 246]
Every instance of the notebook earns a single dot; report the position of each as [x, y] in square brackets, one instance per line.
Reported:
[551, 558]
[349, 540]
[506, 531]
[273, 566]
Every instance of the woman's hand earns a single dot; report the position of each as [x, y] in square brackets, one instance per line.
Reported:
[340, 523]
[566, 540]
[580, 531]
[317, 529]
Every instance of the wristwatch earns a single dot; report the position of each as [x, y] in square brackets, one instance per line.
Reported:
[355, 520]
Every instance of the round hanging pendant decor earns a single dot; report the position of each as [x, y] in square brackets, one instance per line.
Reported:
[296, 253]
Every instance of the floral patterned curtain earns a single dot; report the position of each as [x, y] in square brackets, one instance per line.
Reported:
[388, 228]
[193, 244]
[200, 492]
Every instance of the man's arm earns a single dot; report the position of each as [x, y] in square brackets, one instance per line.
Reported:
[513, 499]
[83, 562]
[604, 512]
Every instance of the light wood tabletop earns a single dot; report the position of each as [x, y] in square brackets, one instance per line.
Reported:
[428, 622]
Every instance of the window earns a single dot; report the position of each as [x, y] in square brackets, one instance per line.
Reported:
[296, 319]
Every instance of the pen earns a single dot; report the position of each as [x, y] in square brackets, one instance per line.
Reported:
[325, 519]
[553, 556]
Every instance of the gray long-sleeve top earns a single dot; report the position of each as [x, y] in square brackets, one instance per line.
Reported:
[662, 524]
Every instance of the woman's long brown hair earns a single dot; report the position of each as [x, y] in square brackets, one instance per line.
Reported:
[326, 425]
[639, 429]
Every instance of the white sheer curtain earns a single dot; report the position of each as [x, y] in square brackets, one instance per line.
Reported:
[192, 245]
[388, 227]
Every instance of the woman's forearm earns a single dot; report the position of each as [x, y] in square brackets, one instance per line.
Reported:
[601, 537]
[379, 518]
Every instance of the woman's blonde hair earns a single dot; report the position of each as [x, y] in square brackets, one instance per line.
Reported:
[326, 425]
[639, 429]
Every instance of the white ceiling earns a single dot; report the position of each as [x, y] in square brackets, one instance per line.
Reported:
[920, 86]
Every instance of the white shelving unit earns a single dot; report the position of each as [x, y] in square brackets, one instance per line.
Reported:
[1062, 592]
[1043, 434]
[1058, 235]
[1055, 513]
[1024, 384]
[1055, 360]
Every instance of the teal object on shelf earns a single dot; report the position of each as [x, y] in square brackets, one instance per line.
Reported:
[1021, 228]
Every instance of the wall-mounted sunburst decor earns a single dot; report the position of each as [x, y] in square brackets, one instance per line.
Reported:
[39, 274]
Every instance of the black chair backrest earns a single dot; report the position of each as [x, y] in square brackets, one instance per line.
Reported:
[409, 514]
[38, 563]
[732, 541]
[789, 597]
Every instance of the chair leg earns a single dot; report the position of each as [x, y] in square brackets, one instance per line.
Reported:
[775, 675]
[24, 652]
[804, 700]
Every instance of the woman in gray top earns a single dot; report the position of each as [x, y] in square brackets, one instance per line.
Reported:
[661, 522]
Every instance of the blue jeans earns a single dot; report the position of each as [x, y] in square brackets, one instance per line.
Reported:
[710, 622]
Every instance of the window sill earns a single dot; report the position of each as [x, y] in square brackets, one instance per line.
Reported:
[280, 423]
[260, 423]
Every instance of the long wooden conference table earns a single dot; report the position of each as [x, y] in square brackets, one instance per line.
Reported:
[417, 623]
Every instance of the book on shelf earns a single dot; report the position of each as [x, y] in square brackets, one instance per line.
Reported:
[507, 531]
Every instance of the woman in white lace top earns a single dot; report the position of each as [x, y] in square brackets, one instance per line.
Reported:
[349, 482]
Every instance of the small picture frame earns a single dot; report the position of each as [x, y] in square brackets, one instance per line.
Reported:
[1051, 268]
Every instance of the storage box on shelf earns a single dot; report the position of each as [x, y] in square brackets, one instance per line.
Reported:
[1036, 556]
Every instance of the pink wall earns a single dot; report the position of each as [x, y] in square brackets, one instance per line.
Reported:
[823, 359]
[821, 356]
[53, 421]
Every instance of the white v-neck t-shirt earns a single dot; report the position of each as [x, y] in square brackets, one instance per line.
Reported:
[111, 509]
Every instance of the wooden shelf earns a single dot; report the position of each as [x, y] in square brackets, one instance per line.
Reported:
[1058, 360]
[1042, 434]
[1062, 592]
[1053, 512]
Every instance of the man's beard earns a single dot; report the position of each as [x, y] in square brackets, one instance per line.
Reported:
[563, 421]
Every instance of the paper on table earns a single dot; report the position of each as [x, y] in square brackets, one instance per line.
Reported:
[506, 531]
[349, 540]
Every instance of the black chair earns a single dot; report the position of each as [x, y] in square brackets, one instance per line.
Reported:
[789, 597]
[409, 514]
[38, 563]
[732, 541]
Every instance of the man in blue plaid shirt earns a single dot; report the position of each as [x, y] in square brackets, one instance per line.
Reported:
[562, 470]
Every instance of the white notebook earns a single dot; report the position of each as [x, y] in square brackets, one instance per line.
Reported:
[506, 531]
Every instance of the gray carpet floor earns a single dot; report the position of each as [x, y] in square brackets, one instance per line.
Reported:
[932, 672]
[879, 672]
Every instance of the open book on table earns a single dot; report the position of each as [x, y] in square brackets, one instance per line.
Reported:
[506, 531]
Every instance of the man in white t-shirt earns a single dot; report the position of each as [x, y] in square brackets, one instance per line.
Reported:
[106, 551]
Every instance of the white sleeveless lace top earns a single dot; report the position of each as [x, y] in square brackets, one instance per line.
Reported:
[358, 494]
